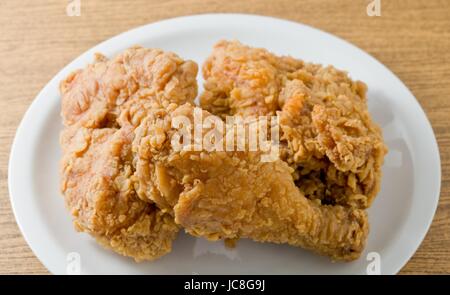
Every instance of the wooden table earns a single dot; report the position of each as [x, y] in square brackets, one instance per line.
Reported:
[411, 37]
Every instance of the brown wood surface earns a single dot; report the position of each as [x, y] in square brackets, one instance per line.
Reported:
[411, 37]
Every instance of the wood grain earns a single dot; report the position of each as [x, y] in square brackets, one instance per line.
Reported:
[411, 37]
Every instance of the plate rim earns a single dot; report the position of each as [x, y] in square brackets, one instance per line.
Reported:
[20, 129]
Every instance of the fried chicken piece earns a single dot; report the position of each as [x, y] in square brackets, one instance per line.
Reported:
[232, 195]
[327, 134]
[97, 185]
[101, 106]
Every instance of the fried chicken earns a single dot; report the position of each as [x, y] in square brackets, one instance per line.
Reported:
[232, 195]
[127, 184]
[327, 135]
[101, 106]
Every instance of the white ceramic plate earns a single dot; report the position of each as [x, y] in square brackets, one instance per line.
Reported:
[399, 217]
